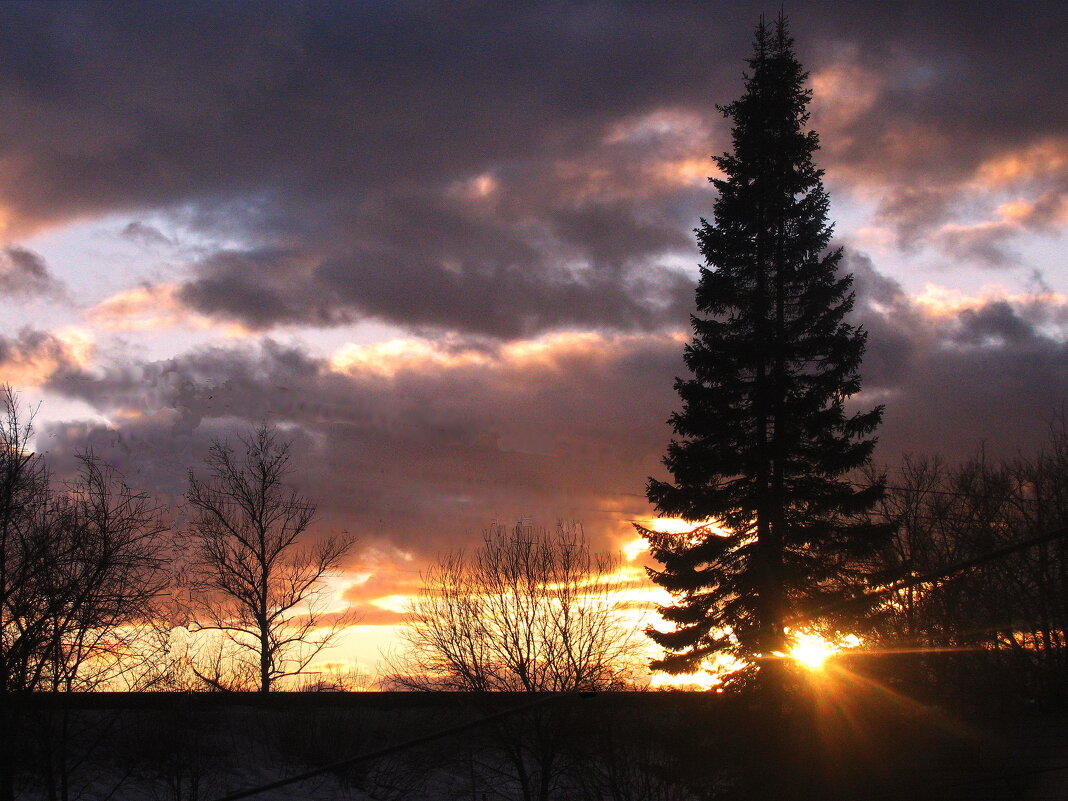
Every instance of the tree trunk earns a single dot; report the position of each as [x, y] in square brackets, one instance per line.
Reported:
[265, 661]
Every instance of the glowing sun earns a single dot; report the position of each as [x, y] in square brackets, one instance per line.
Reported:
[812, 651]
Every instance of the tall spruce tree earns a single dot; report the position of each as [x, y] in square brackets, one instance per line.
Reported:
[763, 440]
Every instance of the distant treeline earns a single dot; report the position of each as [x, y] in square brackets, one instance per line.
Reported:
[94, 583]
[1001, 622]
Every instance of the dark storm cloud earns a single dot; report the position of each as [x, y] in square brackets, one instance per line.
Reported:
[260, 288]
[519, 155]
[24, 274]
[417, 448]
[890, 320]
[995, 321]
[32, 350]
[1003, 393]
[990, 372]
[420, 459]
[144, 234]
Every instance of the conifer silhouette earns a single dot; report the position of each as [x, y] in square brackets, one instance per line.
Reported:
[763, 439]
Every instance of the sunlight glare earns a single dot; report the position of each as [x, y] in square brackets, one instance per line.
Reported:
[635, 548]
[812, 651]
[676, 525]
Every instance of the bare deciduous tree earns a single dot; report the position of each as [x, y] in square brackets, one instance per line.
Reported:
[529, 611]
[251, 576]
[81, 566]
[1003, 621]
[105, 575]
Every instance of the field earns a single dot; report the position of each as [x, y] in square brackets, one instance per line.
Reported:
[665, 746]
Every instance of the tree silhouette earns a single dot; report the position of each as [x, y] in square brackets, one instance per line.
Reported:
[82, 568]
[764, 438]
[529, 611]
[253, 579]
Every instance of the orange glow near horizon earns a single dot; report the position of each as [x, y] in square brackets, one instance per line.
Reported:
[676, 525]
[672, 525]
[684, 681]
[638, 599]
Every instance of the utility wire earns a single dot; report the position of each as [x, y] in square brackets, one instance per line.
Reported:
[998, 777]
[924, 578]
[932, 576]
[392, 749]
[1021, 774]
[938, 574]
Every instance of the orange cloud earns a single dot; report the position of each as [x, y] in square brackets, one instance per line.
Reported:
[942, 302]
[1042, 159]
[389, 582]
[647, 155]
[387, 359]
[688, 171]
[478, 187]
[1051, 208]
[155, 307]
[552, 352]
[32, 357]
[635, 179]
[363, 615]
[841, 94]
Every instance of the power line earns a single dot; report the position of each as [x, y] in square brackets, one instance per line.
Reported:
[1021, 774]
[938, 574]
[999, 777]
[915, 490]
[392, 749]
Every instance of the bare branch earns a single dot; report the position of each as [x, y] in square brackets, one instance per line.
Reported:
[529, 611]
[250, 577]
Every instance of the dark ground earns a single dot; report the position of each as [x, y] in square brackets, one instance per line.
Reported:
[848, 738]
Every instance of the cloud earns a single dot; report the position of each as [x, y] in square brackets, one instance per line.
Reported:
[372, 615]
[33, 357]
[1033, 162]
[386, 581]
[974, 213]
[987, 242]
[954, 370]
[418, 457]
[416, 445]
[941, 124]
[459, 270]
[995, 322]
[145, 235]
[147, 308]
[406, 163]
[330, 169]
[520, 207]
[984, 243]
[24, 273]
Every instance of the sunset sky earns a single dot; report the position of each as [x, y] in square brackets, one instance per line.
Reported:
[448, 247]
